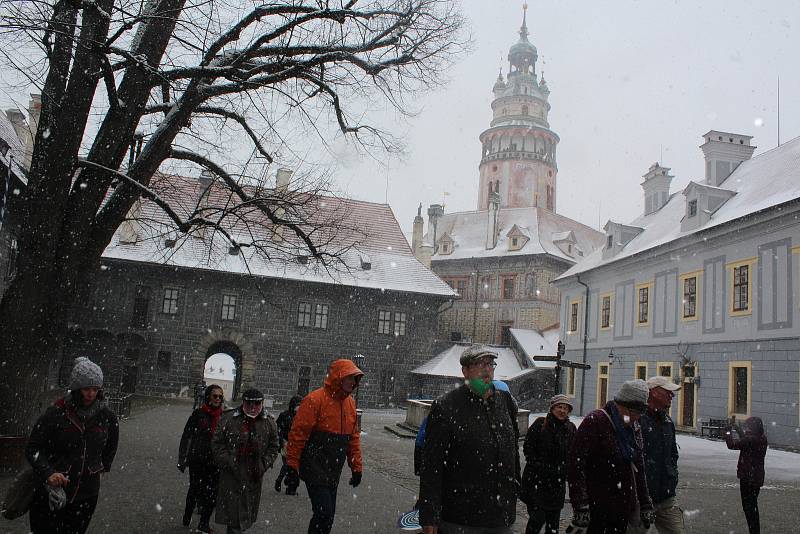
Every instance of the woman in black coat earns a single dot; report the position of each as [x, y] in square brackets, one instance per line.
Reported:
[70, 446]
[543, 482]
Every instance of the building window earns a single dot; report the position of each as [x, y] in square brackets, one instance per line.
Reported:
[573, 317]
[739, 388]
[228, 307]
[384, 322]
[321, 316]
[387, 380]
[690, 297]
[140, 308]
[692, 208]
[643, 309]
[303, 380]
[530, 285]
[609, 241]
[741, 284]
[445, 248]
[605, 312]
[163, 360]
[486, 287]
[461, 287]
[602, 385]
[399, 323]
[508, 288]
[571, 381]
[304, 314]
[641, 371]
[170, 304]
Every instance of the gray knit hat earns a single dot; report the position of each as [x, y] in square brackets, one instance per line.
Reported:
[85, 374]
[633, 394]
[561, 399]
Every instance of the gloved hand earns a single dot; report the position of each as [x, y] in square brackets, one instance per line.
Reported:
[355, 480]
[292, 481]
[648, 517]
[182, 468]
[56, 497]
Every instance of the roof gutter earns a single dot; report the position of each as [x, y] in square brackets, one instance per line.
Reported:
[585, 340]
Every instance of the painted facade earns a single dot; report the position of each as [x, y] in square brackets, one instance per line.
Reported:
[703, 289]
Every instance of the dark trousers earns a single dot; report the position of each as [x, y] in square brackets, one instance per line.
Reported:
[74, 518]
[323, 508]
[538, 518]
[750, 506]
[203, 481]
[602, 523]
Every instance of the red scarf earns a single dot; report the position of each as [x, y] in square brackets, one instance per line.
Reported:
[214, 414]
[248, 449]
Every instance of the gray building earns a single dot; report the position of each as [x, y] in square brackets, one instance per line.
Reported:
[161, 304]
[701, 288]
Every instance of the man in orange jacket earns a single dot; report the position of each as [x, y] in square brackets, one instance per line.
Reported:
[325, 432]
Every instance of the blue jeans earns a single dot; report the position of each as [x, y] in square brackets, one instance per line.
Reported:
[323, 507]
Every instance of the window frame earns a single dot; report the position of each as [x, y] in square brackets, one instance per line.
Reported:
[570, 386]
[399, 323]
[609, 324]
[691, 208]
[639, 287]
[600, 376]
[166, 298]
[641, 365]
[503, 280]
[392, 374]
[738, 364]
[697, 275]
[228, 307]
[573, 322]
[305, 312]
[321, 314]
[385, 322]
[731, 285]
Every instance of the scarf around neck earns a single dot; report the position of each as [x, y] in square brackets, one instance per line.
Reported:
[214, 414]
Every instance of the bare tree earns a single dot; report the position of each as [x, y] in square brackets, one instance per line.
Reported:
[155, 77]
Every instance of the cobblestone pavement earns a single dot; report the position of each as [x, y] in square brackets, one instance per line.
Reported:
[145, 492]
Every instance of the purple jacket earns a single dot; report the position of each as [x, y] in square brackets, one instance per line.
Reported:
[598, 474]
[752, 447]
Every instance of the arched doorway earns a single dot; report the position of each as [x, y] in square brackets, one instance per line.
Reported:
[234, 344]
[220, 369]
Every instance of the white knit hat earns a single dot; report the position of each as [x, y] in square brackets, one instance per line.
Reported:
[85, 374]
[633, 394]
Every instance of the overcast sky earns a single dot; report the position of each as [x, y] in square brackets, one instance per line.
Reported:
[628, 79]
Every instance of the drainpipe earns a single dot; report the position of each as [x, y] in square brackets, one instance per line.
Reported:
[585, 341]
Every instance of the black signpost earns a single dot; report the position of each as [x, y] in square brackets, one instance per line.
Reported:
[561, 363]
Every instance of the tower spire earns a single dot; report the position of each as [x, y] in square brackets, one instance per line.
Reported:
[523, 31]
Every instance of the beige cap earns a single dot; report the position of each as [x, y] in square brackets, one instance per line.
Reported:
[662, 382]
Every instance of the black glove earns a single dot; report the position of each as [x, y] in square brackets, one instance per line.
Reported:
[355, 480]
[648, 517]
[182, 468]
[580, 517]
[292, 481]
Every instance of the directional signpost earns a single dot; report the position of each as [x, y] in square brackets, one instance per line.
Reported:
[561, 363]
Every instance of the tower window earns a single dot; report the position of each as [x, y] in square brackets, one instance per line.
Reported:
[525, 108]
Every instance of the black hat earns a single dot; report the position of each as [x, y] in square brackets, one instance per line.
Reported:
[252, 395]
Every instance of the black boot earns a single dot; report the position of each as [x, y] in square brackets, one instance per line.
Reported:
[187, 517]
[278, 483]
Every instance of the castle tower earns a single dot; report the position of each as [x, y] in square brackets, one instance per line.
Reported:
[518, 148]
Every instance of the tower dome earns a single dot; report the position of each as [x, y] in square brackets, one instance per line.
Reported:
[523, 55]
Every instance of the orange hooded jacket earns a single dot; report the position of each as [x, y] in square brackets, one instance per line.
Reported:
[325, 430]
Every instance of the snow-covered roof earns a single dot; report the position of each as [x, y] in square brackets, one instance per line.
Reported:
[534, 343]
[16, 148]
[447, 363]
[468, 231]
[765, 181]
[365, 230]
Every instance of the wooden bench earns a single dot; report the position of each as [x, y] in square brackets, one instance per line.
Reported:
[715, 427]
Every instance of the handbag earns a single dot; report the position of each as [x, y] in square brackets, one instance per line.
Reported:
[19, 496]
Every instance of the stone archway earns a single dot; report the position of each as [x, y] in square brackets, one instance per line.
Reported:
[229, 341]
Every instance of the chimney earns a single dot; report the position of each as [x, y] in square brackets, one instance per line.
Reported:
[17, 120]
[656, 188]
[435, 212]
[129, 229]
[491, 214]
[34, 114]
[282, 179]
[724, 152]
[205, 179]
[416, 234]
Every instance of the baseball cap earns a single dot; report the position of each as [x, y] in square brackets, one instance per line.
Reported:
[662, 382]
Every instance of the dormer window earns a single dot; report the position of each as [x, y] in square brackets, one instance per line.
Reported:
[515, 242]
[610, 241]
[445, 248]
[692, 208]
